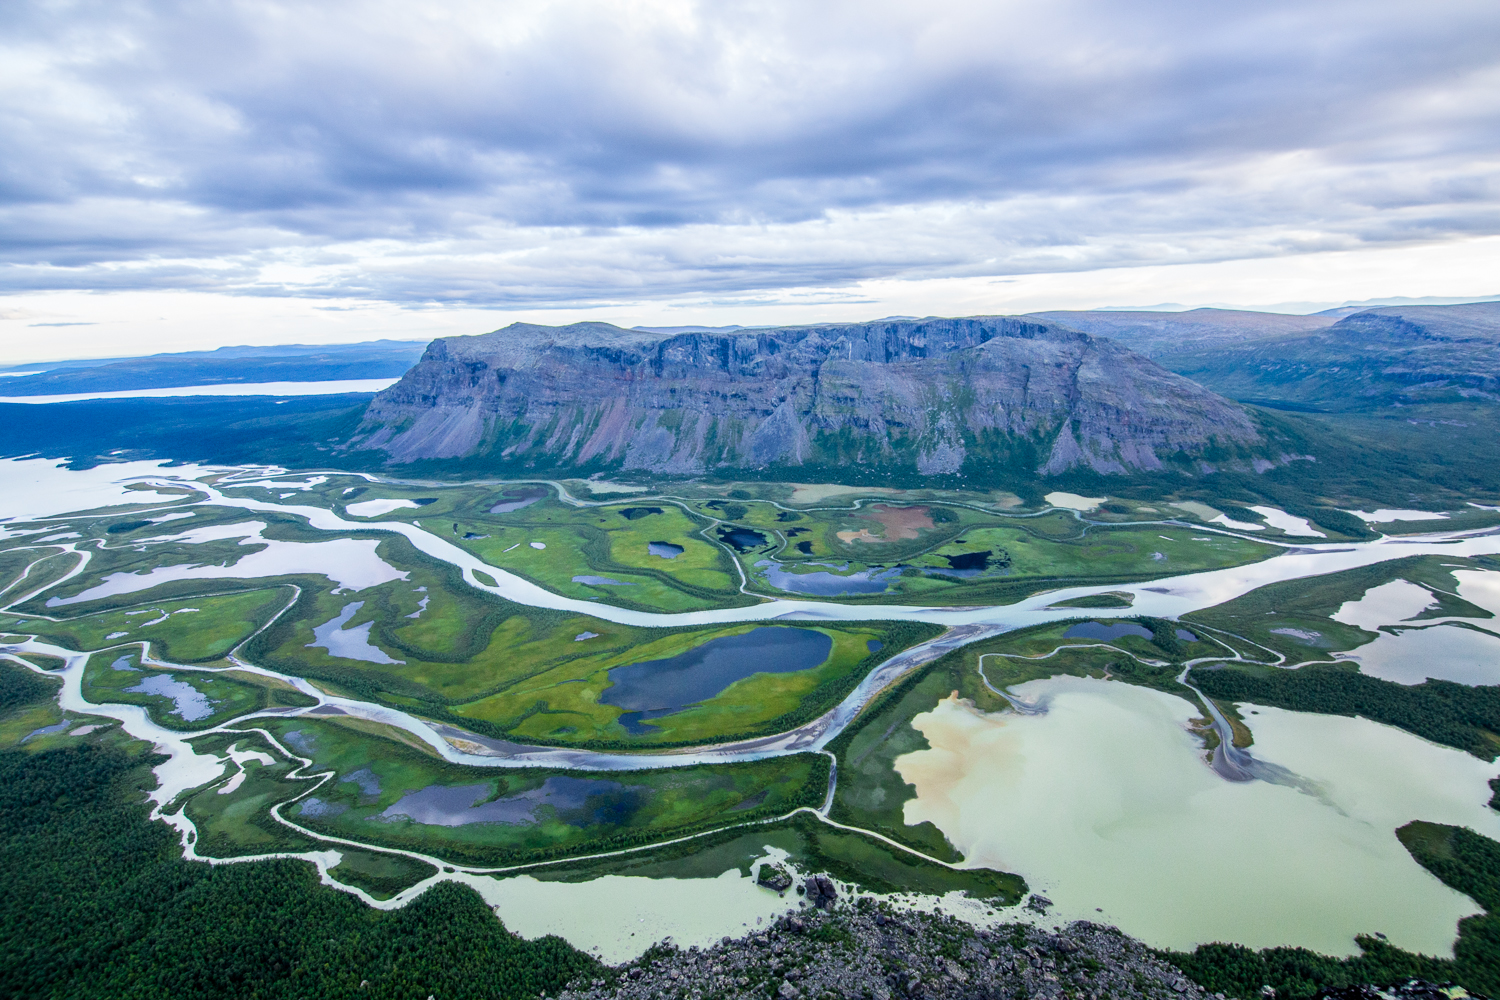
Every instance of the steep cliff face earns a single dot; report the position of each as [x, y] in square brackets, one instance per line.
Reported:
[937, 395]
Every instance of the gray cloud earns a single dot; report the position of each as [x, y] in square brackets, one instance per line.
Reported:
[548, 153]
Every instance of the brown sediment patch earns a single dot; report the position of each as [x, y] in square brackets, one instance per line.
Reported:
[1002, 498]
[901, 523]
[957, 735]
[896, 524]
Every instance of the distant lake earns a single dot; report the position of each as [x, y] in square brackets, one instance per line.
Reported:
[655, 688]
[223, 389]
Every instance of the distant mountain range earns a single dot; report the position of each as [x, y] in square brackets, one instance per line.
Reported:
[1396, 393]
[1363, 362]
[979, 396]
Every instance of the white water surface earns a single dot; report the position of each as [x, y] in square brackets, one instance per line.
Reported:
[617, 917]
[42, 487]
[351, 563]
[1383, 515]
[1387, 604]
[227, 389]
[349, 643]
[1286, 522]
[1432, 648]
[1440, 652]
[1072, 501]
[1104, 801]
[374, 508]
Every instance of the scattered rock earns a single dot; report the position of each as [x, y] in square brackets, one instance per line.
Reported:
[775, 878]
[820, 891]
[864, 948]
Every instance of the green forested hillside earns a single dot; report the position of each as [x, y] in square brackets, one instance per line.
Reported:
[95, 901]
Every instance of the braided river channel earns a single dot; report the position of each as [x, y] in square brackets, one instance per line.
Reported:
[1097, 793]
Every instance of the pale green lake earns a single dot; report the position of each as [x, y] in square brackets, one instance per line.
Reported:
[1106, 806]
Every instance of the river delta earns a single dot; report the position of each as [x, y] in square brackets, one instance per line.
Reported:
[1098, 792]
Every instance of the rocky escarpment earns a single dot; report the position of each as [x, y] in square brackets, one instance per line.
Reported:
[936, 396]
[871, 951]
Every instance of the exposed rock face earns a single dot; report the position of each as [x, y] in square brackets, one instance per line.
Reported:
[871, 951]
[935, 396]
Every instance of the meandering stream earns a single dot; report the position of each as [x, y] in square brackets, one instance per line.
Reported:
[187, 769]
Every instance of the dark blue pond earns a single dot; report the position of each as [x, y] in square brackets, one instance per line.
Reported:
[743, 539]
[1098, 630]
[875, 580]
[515, 499]
[461, 805]
[655, 688]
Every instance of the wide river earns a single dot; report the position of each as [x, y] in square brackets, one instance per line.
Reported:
[1125, 866]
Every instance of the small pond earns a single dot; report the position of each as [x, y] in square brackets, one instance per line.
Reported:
[352, 643]
[875, 580]
[512, 500]
[1098, 630]
[190, 703]
[743, 539]
[48, 730]
[636, 513]
[664, 549]
[461, 805]
[602, 581]
[655, 688]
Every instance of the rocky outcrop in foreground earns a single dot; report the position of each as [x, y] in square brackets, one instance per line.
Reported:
[869, 950]
[970, 397]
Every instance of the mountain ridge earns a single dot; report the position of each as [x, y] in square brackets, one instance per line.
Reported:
[938, 396]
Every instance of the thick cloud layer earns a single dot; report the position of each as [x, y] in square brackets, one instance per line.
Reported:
[555, 152]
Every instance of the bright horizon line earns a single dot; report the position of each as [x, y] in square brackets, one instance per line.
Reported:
[1283, 309]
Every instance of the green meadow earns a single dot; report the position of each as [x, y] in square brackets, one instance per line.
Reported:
[562, 704]
[233, 822]
[191, 630]
[390, 794]
[193, 700]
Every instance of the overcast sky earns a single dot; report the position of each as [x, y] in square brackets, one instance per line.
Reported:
[194, 173]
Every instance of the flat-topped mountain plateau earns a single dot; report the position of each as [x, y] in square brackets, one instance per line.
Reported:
[934, 396]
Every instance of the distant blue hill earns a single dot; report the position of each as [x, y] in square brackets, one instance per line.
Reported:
[227, 365]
